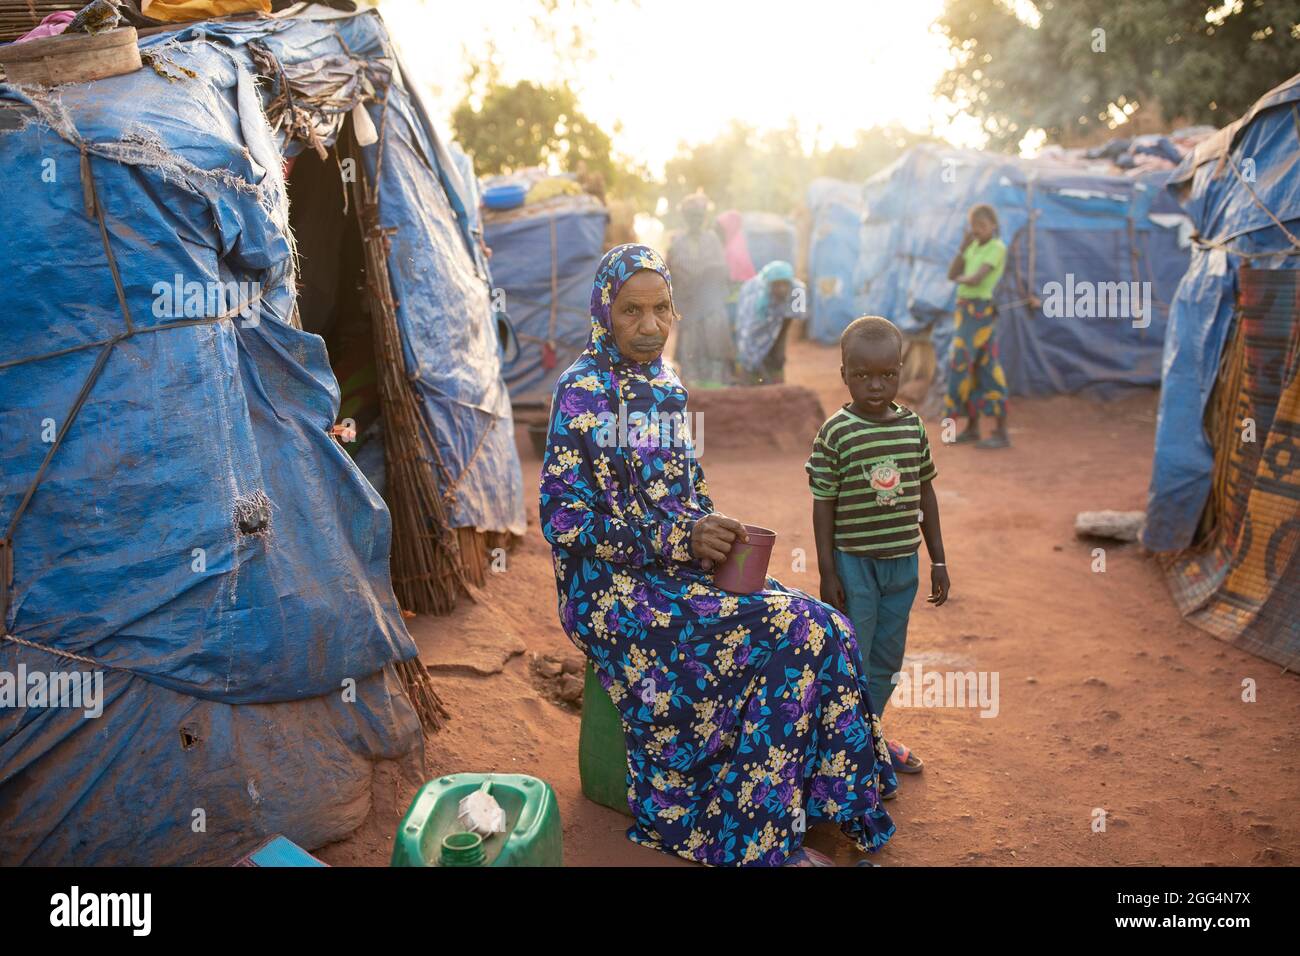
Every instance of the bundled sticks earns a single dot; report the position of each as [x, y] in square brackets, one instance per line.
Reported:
[427, 569]
[426, 558]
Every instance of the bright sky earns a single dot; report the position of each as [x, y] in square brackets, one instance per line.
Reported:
[681, 70]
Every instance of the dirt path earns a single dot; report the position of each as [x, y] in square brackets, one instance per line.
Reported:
[1107, 699]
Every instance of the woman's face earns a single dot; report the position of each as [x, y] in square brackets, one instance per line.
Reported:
[641, 316]
[780, 290]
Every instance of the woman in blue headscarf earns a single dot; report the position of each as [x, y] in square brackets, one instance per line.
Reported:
[767, 304]
[747, 716]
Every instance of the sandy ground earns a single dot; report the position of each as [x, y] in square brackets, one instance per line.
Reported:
[1106, 698]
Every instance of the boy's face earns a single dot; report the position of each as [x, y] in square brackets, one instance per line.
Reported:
[871, 371]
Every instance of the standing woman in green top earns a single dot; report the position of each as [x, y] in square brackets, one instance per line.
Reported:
[976, 382]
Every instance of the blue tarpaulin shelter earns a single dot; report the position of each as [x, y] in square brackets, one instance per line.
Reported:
[1233, 225]
[835, 207]
[1225, 482]
[178, 518]
[1061, 224]
[769, 238]
[543, 258]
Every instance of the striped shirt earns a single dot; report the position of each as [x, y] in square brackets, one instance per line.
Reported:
[873, 471]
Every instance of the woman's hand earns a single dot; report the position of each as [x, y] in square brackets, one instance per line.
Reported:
[712, 537]
[938, 585]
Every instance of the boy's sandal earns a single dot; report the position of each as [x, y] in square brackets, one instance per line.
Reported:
[965, 438]
[903, 759]
[806, 856]
[995, 441]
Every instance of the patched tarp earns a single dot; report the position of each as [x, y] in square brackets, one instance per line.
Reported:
[769, 238]
[197, 537]
[1241, 189]
[835, 207]
[1062, 225]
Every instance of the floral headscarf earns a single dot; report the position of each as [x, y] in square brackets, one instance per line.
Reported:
[645, 388]
[616, 267]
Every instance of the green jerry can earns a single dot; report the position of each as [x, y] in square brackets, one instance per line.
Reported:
[602, 748]
[431, 835]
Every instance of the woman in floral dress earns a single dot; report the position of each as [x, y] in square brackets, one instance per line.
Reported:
[747, 716]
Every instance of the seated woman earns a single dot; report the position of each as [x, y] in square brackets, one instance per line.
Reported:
[768, 303]
[747, 715]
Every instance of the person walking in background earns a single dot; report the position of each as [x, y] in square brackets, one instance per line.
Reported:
[705, 351]
[976, 383]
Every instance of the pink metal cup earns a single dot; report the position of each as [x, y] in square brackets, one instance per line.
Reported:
[745, 569]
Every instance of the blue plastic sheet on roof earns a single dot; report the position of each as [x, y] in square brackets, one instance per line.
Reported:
[544, 263]
[131, 552]
[1232, 219]
[1095, 228]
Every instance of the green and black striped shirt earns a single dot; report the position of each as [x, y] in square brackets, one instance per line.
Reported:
[873, 472]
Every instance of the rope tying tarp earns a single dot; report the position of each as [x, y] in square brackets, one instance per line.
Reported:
[106, 346]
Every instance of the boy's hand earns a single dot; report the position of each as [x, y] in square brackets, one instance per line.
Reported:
[712, 536]
[833, 592]
[938, 585]
[967, 239]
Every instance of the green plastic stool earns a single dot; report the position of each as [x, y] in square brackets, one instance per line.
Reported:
[430, 834]
[602, 748]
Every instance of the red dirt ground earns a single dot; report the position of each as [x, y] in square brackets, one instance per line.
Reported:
[1107, 698]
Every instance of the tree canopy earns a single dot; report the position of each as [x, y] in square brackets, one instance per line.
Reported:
[743, 168]
[1087, 63]
[528, 125]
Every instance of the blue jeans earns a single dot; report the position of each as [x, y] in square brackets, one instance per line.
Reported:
[880, 592]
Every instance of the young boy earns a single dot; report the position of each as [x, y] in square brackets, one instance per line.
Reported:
[873, 500]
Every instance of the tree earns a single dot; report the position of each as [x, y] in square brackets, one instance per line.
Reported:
[529, 125]
[1076, 69]
[742, 168]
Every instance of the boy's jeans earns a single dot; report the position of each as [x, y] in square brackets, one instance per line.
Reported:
[880, 592]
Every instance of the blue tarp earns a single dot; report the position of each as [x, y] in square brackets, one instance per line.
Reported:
[833, 246]
[229, 651]
[1231, 215]
[768, 237]
[1092, 227]
[567, 235]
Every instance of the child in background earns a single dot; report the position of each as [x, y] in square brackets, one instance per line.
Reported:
[976, 383]
[871, 477]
